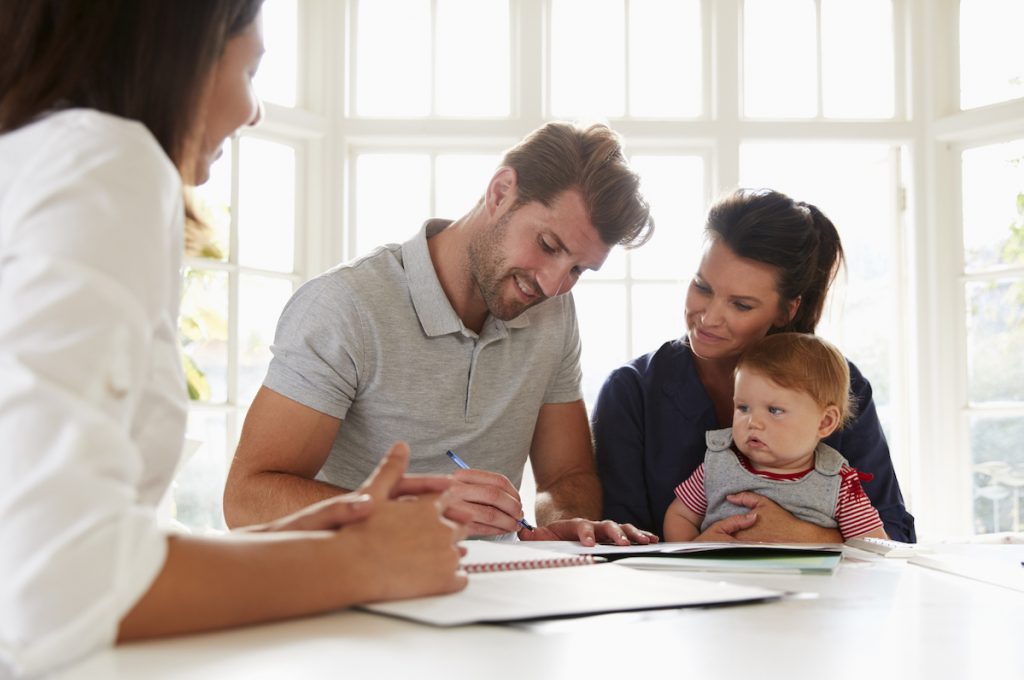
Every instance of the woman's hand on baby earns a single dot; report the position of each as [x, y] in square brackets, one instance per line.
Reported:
[775, 524]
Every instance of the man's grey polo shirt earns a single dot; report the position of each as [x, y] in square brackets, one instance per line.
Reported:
[376, 343]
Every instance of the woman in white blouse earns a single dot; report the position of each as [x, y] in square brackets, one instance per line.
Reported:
[104, 112]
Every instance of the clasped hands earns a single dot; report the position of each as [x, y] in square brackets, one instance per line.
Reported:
[766, 522]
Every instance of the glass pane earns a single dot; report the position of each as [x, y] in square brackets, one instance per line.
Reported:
[461, 180]
[601, 309]
[266, 205]
[393, 58]
[658, 315]
[212, 204]
[995, 340]
[276, 80]
[857, 58]
[613, 268]
[198, 489]
[993, 179]
[991, 57]
[779, 59]
[588, 57]
[674, 186]
[203, 331]
[479, 85]
[260, 301]
[861, 315]
[392, 198]
[665, 37]
[998, 460]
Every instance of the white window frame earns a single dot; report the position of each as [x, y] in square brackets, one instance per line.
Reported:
[930, 449]
[944, 460]
[305, 130]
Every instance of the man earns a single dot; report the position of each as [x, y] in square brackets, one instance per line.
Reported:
[461, 338]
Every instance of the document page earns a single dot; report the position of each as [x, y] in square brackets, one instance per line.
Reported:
[566, 591]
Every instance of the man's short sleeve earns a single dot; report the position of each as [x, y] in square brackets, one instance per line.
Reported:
[318, 348]
[565, 384]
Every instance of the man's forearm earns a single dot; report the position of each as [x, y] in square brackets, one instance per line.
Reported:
[266, 496]
[575, 495]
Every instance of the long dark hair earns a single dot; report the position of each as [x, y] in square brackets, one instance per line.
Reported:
[147, 60]
[794, 237]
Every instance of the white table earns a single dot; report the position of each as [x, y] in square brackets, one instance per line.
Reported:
[875, 618]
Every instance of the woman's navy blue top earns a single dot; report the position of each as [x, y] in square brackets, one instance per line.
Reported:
[649, 423]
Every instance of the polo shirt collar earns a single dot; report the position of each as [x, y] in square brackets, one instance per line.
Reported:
[435, 312]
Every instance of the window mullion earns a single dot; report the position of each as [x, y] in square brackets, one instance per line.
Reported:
[233, 281]
[818, 59]
[626, 79]
[433, 58]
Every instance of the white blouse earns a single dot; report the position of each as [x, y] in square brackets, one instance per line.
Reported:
[92, 396]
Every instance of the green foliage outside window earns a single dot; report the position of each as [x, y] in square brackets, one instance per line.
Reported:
[198, 323]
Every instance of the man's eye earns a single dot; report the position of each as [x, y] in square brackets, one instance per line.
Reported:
[545, 246]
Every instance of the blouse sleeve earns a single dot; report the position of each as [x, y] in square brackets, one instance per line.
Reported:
[863, 444]
[86, 264]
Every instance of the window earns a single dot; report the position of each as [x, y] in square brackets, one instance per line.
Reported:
[861, 316]
[993, 291]
[411, 58]
[605, 55]
[635, 302]
[806, 58]
[918, 165]
[240, 269]
[643, 66]
[991, 59]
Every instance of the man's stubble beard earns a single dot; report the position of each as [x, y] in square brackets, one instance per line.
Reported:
[486, 265]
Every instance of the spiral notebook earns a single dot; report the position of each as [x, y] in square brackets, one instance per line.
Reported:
[488, 556]
[512, 582]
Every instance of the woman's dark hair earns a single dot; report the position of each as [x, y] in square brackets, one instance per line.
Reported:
[796, 238]
[147, 60]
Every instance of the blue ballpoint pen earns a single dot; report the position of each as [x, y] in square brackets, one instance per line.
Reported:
[462, 464]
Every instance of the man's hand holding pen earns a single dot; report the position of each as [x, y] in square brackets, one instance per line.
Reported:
[496, 508]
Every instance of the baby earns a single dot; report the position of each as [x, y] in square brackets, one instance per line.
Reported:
[791, 391]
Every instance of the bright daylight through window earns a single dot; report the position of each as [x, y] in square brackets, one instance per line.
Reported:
[806, 96]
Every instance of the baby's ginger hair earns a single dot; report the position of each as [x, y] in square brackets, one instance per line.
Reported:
[805, 363]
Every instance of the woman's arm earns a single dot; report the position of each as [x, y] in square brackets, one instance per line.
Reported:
[92, 413]
[401, 549]
[618, 427]
[773, 524]
[863, 444]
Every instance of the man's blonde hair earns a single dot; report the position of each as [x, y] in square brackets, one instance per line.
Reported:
[804, 363]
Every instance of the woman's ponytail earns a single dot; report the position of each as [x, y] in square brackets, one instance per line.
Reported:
[796, 238]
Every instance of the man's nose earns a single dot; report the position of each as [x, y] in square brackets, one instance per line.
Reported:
[555, 281]
[258, 116]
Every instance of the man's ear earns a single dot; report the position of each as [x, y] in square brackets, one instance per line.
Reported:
[830, 421]
[501, 191]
